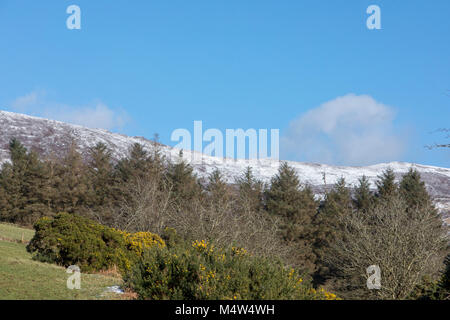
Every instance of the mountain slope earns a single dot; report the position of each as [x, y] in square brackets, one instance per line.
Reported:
[48, 136]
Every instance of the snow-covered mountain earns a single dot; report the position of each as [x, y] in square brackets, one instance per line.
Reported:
[48, 136]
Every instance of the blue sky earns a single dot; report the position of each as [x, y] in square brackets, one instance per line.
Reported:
[140, 67]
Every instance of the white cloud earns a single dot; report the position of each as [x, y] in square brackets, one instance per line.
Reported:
[94, 115]
[350, 130]
[23, 103]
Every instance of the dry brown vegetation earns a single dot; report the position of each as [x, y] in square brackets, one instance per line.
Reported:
[407, 245]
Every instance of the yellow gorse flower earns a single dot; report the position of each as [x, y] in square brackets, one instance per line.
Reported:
[203, 246]
[239, 251]
[140, 241]
[323, 294]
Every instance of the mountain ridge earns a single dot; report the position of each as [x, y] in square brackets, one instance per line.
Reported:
[49, 136]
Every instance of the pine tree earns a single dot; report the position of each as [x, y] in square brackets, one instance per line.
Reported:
[101, 197]
[142, 190]
[444, 284]
[24, 186]
[417, 199]
[100, 171]
[18, 153]
[157, 159]
[183, 182]
[250, 192]
[136, 164]
[386, 185]
[337, 203]
[4, 207]
[15, 179]
[6, 192]
[283, 195]
[413, 190]
[338, 200]
[72, 183]
[296, 207]
[219, 192]
[35, 189]
[141, 164]
[53, 170]
[363, 197]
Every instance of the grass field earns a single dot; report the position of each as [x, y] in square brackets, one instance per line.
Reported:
[23, 278]
[12, 232]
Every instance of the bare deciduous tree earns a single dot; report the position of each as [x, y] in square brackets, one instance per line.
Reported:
[406, 244]
[149, 205]
[225, 225]
[146, 206]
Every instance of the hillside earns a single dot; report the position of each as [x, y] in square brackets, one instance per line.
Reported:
[53, 137]
[24, 278]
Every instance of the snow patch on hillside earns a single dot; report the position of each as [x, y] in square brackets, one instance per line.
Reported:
[49, 136]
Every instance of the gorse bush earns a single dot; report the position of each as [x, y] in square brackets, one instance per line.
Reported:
[140, 241]
[73, 240]
[201, 271]
[69, 239]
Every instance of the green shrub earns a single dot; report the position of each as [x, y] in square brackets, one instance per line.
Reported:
[69, 239]
[426, 290]
[171, 237]
[200, 272]
[434, 290]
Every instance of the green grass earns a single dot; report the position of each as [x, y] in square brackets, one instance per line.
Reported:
[23, 278]
[14, 233]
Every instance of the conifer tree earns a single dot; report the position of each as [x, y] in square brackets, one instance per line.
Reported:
[142, 189]
[183, 182]
[136, 164]
[24, 185]
[444, 284]
[141, 163]
[416, 197]
[363, 197]
[18, 153]
[413, 190]
[296, 207]
[101, 197]
[338, 200]
[157, 159]
[15, 178]
[250, 191]
[72, 183]
[100, 170]
[337, 203]
[36, 190]
[8, 191]
[219, 192]
[386, 185]
[4, 207]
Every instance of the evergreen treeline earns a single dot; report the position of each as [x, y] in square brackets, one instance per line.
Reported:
[322, 239]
